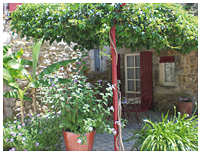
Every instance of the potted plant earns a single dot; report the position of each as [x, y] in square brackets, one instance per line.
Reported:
[185, 105]
[82, 113]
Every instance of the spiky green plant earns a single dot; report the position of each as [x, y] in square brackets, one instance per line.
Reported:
[177, 134]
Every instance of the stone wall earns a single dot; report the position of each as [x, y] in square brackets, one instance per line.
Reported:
[186, 73]
[50, 54]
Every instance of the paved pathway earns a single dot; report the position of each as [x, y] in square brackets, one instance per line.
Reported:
[105, 141]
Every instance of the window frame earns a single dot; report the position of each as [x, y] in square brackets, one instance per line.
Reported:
[126, 77]
[162, 73]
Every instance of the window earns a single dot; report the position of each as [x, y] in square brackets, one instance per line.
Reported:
[5, 8]
[167, 71]
[97, 59]
[132, 73]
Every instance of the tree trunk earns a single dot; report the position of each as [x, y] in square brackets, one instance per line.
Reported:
[34, 99]
[22, 111]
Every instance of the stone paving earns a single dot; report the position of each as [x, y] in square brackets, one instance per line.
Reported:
[105, 141]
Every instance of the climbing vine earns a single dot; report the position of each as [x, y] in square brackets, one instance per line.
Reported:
[150, 25]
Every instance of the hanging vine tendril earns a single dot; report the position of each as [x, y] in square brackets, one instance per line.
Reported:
[119, 136]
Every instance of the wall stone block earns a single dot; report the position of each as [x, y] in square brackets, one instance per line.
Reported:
[183, 79]
[194, 66]
[186, 61]
[193, 60]
[186, 70]
[179, 71]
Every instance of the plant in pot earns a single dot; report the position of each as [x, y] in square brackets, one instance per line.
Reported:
[185, 105]
[82, 113]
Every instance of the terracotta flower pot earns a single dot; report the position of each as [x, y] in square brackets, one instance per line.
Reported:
[71, 141]
[185, 107]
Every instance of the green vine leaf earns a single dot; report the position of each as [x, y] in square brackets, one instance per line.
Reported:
[149, 25]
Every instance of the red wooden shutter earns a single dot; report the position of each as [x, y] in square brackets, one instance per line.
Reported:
[168, 59]
[13, 6]
[119, 69]
[146, 74]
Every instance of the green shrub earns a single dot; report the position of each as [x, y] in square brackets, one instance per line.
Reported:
[38, 133]
[177, 134]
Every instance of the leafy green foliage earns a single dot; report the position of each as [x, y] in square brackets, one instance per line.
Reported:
[6, 48]
[177, 134]
[150, 25]
[83, 108]
[15, 94]
[37, 128]
[13, 68]
[36, 50]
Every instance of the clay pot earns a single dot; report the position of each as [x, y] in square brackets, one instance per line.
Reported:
[185, 107]
[71, 141]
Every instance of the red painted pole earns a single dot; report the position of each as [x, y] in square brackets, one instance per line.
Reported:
[114, 82]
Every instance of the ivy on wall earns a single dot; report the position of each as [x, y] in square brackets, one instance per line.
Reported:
[138, 25]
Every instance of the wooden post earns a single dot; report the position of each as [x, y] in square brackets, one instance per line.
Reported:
[114, 82]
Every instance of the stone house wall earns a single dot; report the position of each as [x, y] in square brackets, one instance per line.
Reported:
[186, 75]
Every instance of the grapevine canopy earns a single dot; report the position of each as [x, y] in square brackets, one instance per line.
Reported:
[150, 25]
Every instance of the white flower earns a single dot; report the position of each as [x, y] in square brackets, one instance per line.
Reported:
[111, 108]
[114, 131]
[59, 112]
[90, 128]
[62, 98]
[47, 115]
[79, 141]
[117, 122]
[24, 138]
[168, 121]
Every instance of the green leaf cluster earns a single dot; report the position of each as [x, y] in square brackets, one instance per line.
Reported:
[177, 134]
[38, 128]
[82, 105]
[13, 68]
[150, 25]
